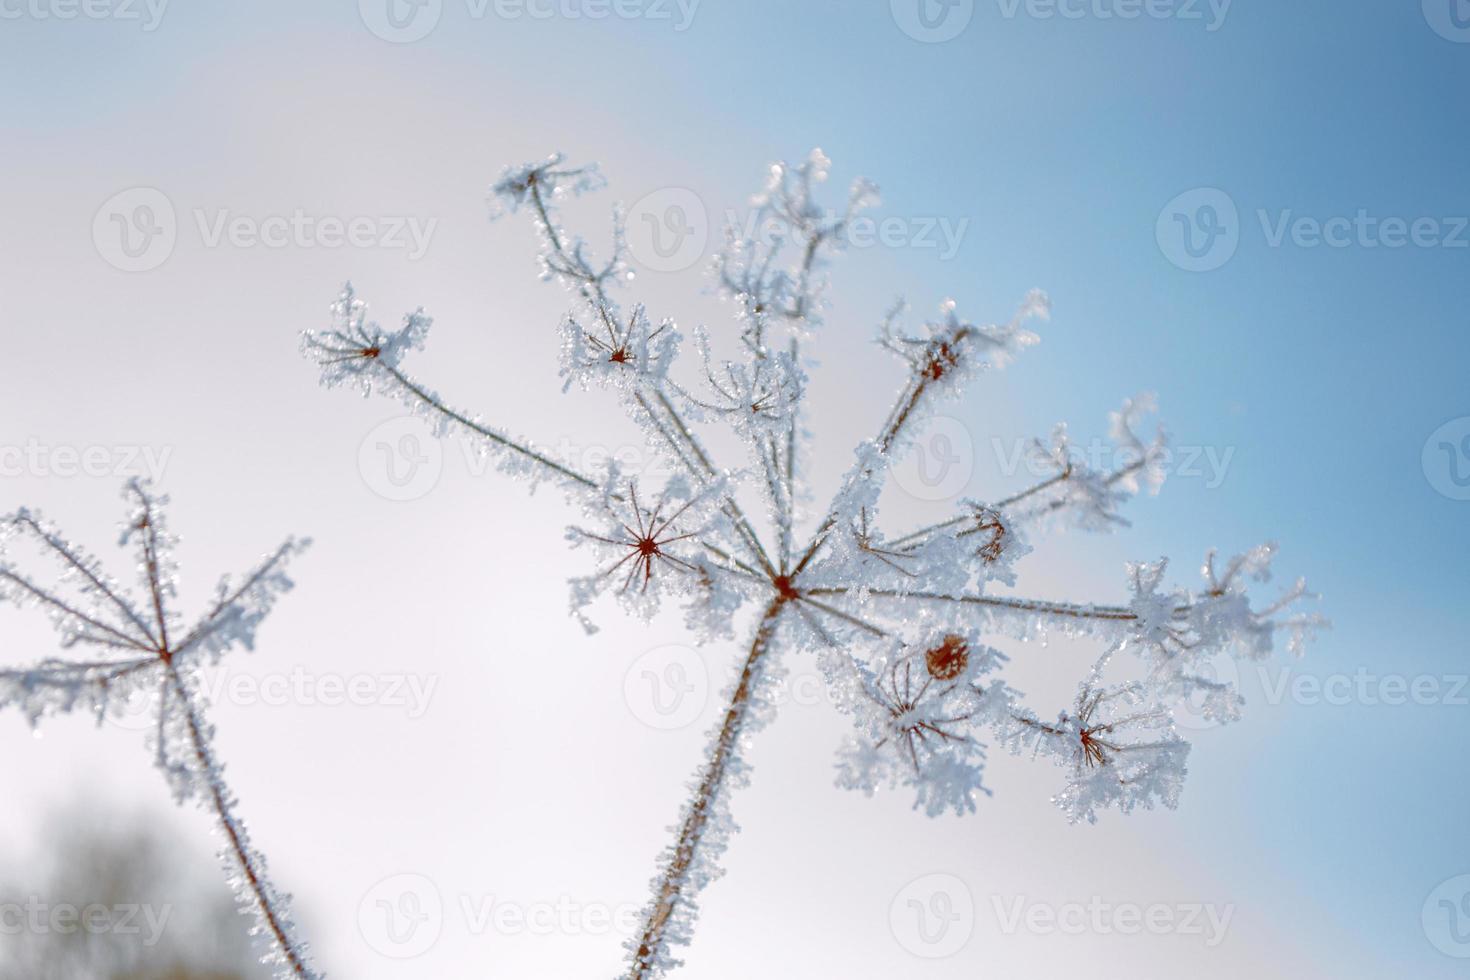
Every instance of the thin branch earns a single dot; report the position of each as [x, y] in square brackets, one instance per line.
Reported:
[499, 438]
[1046, 607]
[674, 879]
[249, 865]
[66, 554]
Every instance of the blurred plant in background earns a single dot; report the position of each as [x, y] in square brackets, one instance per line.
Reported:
[143, 910]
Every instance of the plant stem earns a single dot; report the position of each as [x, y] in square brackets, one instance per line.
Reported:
[673, 882]
[220, 802]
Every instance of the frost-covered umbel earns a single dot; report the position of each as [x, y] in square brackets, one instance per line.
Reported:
[142, 655]
[897, 623]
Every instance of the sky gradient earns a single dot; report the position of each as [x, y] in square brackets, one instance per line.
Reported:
[1308, 159]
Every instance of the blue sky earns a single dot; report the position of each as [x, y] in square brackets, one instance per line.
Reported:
[1058, 141]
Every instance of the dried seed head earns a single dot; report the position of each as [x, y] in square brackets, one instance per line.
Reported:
[989, 521]
[943, 357]
[949, 659]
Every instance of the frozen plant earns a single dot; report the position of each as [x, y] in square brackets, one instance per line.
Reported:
[895, 622]
[148, 658]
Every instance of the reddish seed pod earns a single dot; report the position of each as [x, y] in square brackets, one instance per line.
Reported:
[949, 659]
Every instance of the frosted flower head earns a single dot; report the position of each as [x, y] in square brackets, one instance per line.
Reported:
[917, 709]
[1118, 749]
[1223, 617]
[1161, 617]
[936, 355]
[353, 349]
[1139, 462]
[138, 636]
[751, 268]
[757, 397]
[646, 548]
[519, 184]
[789, 193]
[994, 542]
[622, 354]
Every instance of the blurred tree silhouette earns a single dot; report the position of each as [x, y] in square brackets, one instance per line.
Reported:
[115, 898]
